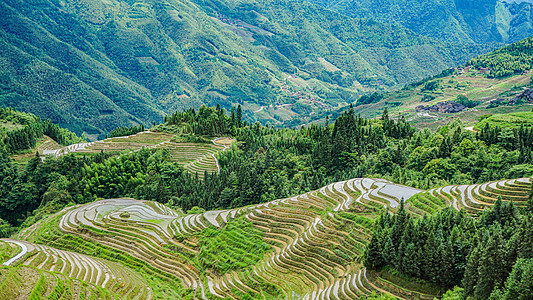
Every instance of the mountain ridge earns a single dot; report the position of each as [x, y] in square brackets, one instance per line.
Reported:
[93, 66]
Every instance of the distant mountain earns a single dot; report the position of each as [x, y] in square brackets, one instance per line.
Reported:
[498, 82]
[452, 21]
[93, 65]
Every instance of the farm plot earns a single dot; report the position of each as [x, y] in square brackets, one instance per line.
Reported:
[474, 198]
[308, 246]
[110, 276]
[25, 282]
[195, 157]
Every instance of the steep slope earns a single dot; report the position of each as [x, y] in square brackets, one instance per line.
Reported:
[515, 59]
[92, 66]
[307, 246]
[498, 82]
[452, 21]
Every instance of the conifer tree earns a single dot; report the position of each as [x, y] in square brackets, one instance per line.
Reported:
[471, 273]
[238, 121]
[491, 266]
[373, 254]
[519, 284]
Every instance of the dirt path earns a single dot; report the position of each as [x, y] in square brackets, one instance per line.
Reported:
[223, 145]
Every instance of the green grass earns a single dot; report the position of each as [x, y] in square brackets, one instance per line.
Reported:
[403, 281]
[163, 285]
[237, 245]
[26, 282]
[511, 120]
[7, 250]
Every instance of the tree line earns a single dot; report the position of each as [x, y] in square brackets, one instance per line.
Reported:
[487, 256]
[29, 129]
[268, 163]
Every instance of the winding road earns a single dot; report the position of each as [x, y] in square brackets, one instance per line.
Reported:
[225, 147]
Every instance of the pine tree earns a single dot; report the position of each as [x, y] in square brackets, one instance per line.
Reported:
[491, 267]
[411, 263]
[519, 284]
[239, 117]
[431, 259]
[373, 254]
[389, 253]
[471, 272]
[525, 237]
[446, 265]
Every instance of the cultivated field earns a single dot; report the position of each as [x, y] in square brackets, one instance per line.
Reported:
[304, 247]
[195, 157]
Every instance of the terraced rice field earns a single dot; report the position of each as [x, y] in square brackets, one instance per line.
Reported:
[195, 157]
[24, 282]
[315, 240]
[97, 272]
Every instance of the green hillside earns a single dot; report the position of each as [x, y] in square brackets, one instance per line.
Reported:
[507, 61]
[330, 242]
[456, 22]
[21, 134]
[510, 120]
[495, 83]
[93, 66]
[357, 209]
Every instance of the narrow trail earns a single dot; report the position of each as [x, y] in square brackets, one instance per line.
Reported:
[225, 147]
[256, 111]
[23, 251]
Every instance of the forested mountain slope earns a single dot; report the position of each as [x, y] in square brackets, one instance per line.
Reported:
[452, 21]
[93, 66]
[498, 82]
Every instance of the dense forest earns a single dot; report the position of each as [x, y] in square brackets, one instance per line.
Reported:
[266, 163]
[514, 59]
[462, 22]
[21, 131]
[490, 257]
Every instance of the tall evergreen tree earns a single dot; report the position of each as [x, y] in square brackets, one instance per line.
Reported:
[491, 266]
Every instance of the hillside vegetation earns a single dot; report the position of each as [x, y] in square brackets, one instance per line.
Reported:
[511, 60]
[263, 164]
[512, 121]
[457, 22]
[287, 212]
[311, 245]
[93, 66]
[495, 83]
[22, 132]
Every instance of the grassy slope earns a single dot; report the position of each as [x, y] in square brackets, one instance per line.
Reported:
[510, 120]
[476, 87]
[93, 65]
[195, 157]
